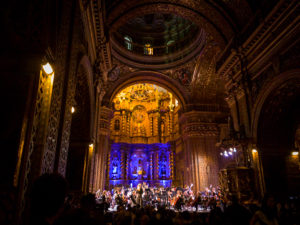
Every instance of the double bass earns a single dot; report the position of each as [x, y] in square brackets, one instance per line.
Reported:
[179, 201]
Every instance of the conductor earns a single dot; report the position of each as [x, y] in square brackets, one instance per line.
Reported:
[139, 194]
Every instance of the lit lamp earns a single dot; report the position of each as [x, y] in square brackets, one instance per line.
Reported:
[49, 71]
[254, 151]
[295, 153]
[72, 109]
[47, 68]
[91, 147]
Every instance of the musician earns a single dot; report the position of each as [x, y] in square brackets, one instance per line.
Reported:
[98, 194]
[104, 202]
[131, 196]
[139, 194]
[197, 201]
[119, 199]
[163, 196]
[179, 201]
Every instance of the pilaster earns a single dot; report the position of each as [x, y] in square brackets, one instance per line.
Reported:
[200, 134]
[102, 147]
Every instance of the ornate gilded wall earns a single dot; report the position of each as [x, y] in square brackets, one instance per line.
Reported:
[145, 113]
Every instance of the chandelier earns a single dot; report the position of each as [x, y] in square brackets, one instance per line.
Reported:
[234, 146]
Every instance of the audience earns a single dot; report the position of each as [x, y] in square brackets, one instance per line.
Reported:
[237, 214]
[47, 199]
[50, 205]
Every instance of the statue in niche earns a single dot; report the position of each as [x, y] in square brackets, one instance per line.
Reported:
[114, 169]
[163, 167]
[140, 171]
[163, 170]
[134, 170]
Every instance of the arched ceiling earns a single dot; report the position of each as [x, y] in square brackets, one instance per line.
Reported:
[280, 115]
[149, 96]
[155, 78]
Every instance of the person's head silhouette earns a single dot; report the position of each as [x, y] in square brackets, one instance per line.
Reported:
[47, 197]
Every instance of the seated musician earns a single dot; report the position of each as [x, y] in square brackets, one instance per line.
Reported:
[179, 201]
[197, 201]
[119, 200]
[132, 199]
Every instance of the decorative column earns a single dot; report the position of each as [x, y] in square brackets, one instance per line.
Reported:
[171, 155]
[123, 122]
[155, 165]
[123, 163]
[151, 165]
[102, 148]
[128, 124]
[200, 135]
[156, 128]
[127, 163]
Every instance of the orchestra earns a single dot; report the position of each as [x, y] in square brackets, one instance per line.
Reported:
[173, 198]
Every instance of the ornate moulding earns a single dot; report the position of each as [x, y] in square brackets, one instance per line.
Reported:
[254, 53]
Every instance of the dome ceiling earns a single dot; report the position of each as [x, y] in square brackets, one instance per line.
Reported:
[157, 39]
[158, 26]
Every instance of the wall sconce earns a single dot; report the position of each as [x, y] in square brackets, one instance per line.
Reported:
[47, 68]
[72, 109]
[91, 148]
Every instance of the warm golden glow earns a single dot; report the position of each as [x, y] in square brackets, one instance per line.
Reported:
[295, 153]
[144, 113]
[72, 109]
[254, 151]
[148, 50]
[91, 148]
[52, 78]
[47, 68]
[150, 96]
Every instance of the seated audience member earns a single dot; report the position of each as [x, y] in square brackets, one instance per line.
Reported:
[47, 199]
[267, 214]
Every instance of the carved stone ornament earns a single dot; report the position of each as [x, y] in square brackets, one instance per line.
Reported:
[113, 75]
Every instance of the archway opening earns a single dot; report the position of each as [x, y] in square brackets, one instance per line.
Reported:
[277, 127]
[143, 130]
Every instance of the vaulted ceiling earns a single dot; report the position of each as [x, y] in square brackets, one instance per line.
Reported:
[187, 39]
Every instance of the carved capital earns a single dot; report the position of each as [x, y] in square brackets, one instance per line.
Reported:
[199, 124]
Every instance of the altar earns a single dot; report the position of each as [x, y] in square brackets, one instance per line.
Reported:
[130, 164]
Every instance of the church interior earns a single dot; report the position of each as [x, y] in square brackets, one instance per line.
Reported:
[187, 93]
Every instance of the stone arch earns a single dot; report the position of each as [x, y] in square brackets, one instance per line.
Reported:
[265, 93]
[152, 77]
[275, 119]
